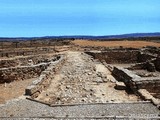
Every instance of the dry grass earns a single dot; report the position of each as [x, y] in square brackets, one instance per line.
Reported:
[133, 44]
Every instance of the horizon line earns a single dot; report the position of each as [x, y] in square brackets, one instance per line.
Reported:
[80, 35]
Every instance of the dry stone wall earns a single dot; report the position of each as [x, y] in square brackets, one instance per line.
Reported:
[27, 70]
[116, 57]
[135, 82]
[144, 61]
[25, 61]
[149, 65]
[45, 78]
[143, 57]
[152, 84]
[123, 74]
[157, 63]
[13, 53]
[124, 56]
[8, 63]
[21, 73]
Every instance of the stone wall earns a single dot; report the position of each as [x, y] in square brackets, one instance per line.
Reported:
[40, 63]
[143, 57]
[144, 60]
[124, 75]
[25, 61]
[8, 63]
[151, 84]
[149, 65]
[21, 73]
[157, 63]
[17, 52]
[45, 78]
[116, 57]
[135, 82]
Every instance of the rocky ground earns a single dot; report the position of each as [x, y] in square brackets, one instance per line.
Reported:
[23, 109]
[84, 80]
[81, 80]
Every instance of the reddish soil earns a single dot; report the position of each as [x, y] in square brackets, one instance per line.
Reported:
[13, 90]
[134, 44]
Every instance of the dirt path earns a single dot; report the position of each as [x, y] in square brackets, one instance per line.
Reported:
[82, 80]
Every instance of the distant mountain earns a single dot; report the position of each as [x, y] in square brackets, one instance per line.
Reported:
[134, 35]
[156, 34]
[131, 35]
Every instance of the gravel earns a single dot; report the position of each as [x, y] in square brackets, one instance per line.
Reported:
[26, 108]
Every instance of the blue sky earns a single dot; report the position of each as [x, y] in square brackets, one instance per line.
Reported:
[24, 18]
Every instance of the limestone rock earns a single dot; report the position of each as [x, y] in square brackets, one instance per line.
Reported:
[120, 86]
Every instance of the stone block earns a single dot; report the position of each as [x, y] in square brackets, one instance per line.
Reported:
[120, 86]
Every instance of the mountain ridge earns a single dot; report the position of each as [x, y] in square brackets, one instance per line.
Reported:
[120, 36]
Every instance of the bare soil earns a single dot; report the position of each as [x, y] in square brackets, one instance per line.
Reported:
[133, 44]
[13, 90]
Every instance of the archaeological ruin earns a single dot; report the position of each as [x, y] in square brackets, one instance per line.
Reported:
[56, 75]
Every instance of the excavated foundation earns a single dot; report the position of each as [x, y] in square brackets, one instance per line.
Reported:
[110, 76]
[24, 67]
[110, 84]
[138, 69]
